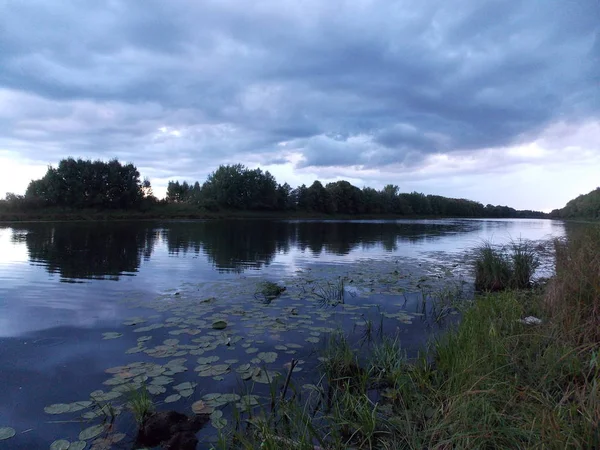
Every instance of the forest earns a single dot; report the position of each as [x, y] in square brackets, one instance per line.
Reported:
[586, 206]
[77, 184]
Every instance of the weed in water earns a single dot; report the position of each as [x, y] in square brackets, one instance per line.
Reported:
[140, 403]
[492, 268]
[388, 361]
[267, 291]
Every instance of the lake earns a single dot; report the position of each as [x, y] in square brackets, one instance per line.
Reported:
[179, 307]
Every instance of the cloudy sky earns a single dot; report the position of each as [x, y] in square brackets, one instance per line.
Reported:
[496, 101]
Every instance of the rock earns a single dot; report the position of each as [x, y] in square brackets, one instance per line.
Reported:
[184, 440]
[530, 320]
[172, 430]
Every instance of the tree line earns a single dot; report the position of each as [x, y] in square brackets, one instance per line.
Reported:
[236, 187]
[80, 184]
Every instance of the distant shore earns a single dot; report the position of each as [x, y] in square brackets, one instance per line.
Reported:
[184, 212]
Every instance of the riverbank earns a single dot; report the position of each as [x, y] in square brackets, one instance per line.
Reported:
[186, 212]
[494, 381]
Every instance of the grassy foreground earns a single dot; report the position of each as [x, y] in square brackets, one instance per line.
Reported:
[492, 382]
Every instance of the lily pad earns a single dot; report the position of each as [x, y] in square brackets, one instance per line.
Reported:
[264, 376]
[57, 408]
[219, 325]
[186, 393]
[78, 406]
[267, 357]
[60, 444]
[185, 386]
[173, 398]
[111, 335]
[200, 407]
[217, 420]
[91, 432]
[6, 433]
[155, 389]
[213, 371]
[162, 380]
[77, 445]
[207, 360]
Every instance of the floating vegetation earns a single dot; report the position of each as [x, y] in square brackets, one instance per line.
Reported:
[92, 432]
[6, 433]
[267, 291]
[198, 340]
[219, 325]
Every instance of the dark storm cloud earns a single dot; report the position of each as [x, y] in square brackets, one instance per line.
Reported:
[357, 83]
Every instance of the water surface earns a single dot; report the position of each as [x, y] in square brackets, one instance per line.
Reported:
[62, 285]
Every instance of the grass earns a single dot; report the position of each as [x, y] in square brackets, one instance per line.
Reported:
[501, 268]
[490, 382]
[331, 293]
[140, 403]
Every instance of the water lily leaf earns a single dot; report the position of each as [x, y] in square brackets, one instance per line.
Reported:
[217, 420]
[161, 380]
[219, 324]
[185, 386]
[218, 378]
[251, 350]
[186, 393]
[155, 389]
[312, 339]
[57, 408]
[264, 376]
[200, 407]
[111, 335]
[60, 444]
[171, 342]
[6, 433]
[212, 396]
[173, 398]
[267, 357]
[91, 432]
[78, 406]
[243, 368]
[213, 371]
[77, 445]
[207, 360]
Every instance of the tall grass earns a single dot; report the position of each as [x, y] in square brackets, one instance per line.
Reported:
[140, 403]
[501, 268]
[573, 295]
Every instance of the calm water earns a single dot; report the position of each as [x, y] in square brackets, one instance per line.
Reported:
[63, 285]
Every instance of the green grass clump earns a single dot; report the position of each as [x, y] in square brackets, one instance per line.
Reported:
[388, 361]
[501, 268]
[140, 403]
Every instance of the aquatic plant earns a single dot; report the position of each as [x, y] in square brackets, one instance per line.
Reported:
[331, 293]
[500, 268]
[524, 261]
[492, 268]
[387, 360]
[140, 403]
[267, 291]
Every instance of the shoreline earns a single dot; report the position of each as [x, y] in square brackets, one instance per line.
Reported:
[170, 213]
